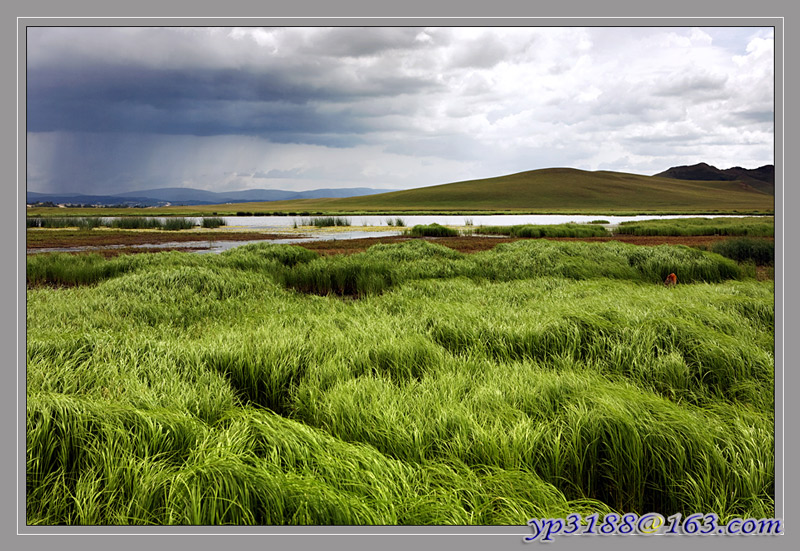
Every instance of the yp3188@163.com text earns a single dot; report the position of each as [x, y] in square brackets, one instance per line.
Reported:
[649, 524]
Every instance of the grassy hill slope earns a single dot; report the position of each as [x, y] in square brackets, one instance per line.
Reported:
[553, 190]
[557, 189]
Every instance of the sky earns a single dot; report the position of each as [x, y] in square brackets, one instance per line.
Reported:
[115, 109]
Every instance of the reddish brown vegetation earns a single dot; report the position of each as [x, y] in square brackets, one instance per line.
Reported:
[46, 239]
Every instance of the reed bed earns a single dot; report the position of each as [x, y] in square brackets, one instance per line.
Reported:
[431, 230]
[173, 223]
[533, 380]
[759, 251]
[80, 222]
[212, 222]
[323, 221]
[545, 230]
[136, 223]
[66, 269]
[123, 222]
[143, 223]
[411, 260]
[749, 226]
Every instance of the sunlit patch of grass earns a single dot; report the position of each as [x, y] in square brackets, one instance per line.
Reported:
[66, 269]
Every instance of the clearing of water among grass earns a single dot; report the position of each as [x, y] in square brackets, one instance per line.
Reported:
[409, 384]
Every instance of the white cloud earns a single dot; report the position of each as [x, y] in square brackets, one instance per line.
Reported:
[408, 107]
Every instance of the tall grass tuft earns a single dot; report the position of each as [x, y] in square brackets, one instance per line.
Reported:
[266, 256]
[344, 276]
[750, 226]
[324, 221]
[432, 230]
[178, 223]
[760, 251]
[545, 230]
[136, 223]
[67, 269]
[212, 222]
[80, 222]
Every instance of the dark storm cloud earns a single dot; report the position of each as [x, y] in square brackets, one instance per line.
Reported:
[277, 121]
[199, 101]
[386, 107]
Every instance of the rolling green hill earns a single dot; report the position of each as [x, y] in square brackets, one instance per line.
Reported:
[556, 190]
[552, 190]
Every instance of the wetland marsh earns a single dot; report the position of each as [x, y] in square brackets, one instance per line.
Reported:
[406, 383]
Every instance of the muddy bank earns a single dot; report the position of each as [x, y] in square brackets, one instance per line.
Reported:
[51, 239]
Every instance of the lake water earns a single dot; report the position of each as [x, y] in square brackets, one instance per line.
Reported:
[272, 222]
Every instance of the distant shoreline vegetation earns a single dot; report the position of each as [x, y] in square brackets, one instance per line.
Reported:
[699, 226]
[126, 222]
[108, 213]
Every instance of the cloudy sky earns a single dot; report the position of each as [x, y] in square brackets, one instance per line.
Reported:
[123, 109]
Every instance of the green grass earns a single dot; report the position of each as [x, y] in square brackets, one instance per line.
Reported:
[532, 380]
[136, 223]
[761, 227]
[67, 269]
[178, 223]
[323, 221]
[344, 276]
[301, 269]
[545, 230]
[83, 223]
[124, 222]
[212, 222]
[760, 251]
[431, 230]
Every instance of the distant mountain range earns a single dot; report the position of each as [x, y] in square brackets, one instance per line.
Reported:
[189, 196]
[761, 178]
